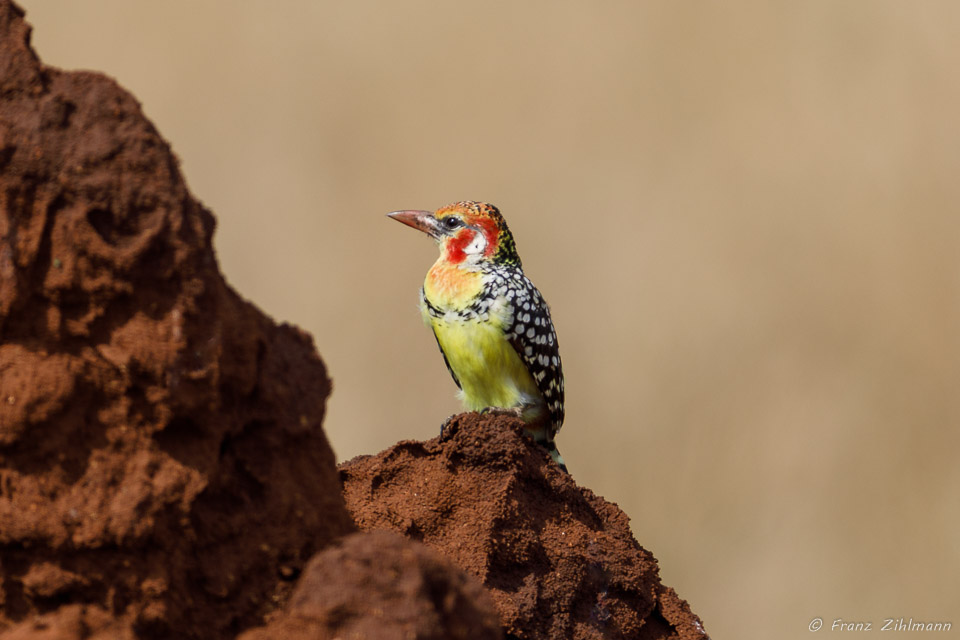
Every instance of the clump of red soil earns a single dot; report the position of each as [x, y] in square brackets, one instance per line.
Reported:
[162, 461]
[560, 561]
[381, 585]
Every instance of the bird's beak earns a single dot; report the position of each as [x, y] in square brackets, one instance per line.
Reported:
[422, 220]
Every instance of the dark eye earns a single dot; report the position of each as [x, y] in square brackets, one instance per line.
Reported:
[452, 222]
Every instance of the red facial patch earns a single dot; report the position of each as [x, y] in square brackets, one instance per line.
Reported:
[455, 246]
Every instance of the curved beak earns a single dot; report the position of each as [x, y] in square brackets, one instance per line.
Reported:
[421, 220]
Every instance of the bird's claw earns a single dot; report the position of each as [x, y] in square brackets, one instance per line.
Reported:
[445, 431]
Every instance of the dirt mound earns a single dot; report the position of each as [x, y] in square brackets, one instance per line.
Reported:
[559, 561]
[161, 454]
[381, 585]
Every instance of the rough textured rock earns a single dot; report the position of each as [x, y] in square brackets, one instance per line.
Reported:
[161, 453]
[559, 561]
[381, 585]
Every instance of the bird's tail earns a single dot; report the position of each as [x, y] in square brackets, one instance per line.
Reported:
[551, 448]
[544, 438]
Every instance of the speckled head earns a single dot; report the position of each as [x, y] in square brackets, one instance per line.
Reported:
[468, 232]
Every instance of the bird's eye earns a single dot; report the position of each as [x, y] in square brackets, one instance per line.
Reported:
[451, 222]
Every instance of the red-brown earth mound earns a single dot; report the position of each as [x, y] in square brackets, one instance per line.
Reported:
[156, 431]
[163, 470]
[381, 585]
[560, 561]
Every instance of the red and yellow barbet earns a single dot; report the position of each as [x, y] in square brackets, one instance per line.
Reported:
[492, 324]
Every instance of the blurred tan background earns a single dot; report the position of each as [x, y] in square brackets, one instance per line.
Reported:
[745, 217]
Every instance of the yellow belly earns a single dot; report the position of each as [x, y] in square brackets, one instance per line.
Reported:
[490, 371]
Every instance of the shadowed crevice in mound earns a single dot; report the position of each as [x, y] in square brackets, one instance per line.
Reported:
[560, 561]
[163, 471]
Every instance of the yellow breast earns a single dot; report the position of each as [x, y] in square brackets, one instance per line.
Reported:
[490, 372]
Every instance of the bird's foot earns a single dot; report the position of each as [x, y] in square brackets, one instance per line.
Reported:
[445, 431]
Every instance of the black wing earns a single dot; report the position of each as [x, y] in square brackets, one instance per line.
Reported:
[535, 340]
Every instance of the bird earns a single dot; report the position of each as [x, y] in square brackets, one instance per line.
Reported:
[491, 323]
